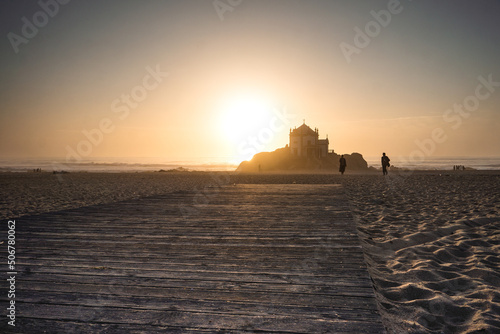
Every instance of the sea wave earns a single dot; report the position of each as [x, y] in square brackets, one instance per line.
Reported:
[109, 165]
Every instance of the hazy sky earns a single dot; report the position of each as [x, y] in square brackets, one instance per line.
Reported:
[202, 79]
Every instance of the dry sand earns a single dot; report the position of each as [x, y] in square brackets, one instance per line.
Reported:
[431, 239]
[34, 193]
[432, 244]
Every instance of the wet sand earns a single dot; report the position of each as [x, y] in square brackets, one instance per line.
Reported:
[431, 239]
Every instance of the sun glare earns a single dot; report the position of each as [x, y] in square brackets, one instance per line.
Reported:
[244, 115]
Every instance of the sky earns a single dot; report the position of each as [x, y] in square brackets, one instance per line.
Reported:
[224, 79]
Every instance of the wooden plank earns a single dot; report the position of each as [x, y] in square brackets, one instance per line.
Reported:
[222, 292]
[151, 269]
[292, 286]
[31, 280]
[270, 258]
[33, 325]
[286, 276]
[214, 321]
[204, 264]
[148, 302]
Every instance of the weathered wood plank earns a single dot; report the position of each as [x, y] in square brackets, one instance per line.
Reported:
[214, 321]
[297, 277]
[106, 283]
[291, 288]
[195, 305]
[207, 264]
[269, 258]
[33, 325]
[222, 293]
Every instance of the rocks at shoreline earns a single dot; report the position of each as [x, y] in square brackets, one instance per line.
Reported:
[282, 160]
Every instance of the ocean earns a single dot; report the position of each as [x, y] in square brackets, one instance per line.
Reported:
[440, 163]
[218, 164]
[115, 165]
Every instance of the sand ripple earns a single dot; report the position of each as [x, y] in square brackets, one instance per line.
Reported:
[433, 248]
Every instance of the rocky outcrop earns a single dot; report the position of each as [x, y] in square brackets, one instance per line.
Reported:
[282, 160]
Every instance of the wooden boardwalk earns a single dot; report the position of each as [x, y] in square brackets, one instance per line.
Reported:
[236, 259]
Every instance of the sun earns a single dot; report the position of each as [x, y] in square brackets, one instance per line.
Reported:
[244, 116]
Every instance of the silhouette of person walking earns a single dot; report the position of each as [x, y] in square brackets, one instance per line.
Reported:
[385, 163]
[343, 164]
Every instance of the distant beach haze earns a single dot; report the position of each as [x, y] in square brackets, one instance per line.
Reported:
[183, 80]
[211, 164]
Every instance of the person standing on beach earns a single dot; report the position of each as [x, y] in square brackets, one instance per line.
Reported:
[343, 164]
[385, 163]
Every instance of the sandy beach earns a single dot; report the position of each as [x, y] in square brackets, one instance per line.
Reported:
[34, 193]
[431, 239]
[432, 244]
